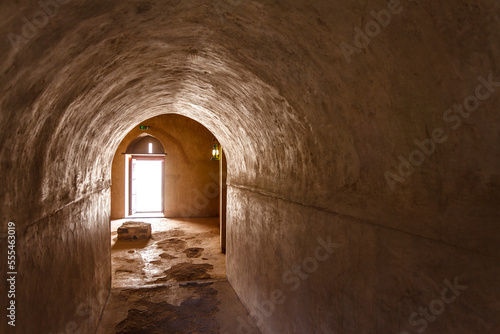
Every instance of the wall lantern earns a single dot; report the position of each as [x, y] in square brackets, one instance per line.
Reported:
[215, 151]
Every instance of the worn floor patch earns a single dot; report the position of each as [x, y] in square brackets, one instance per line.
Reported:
[167, 256]
[152, 314]
[176, 232]
[193, 252]
[181, 308]
[186, 272]
[173, 244]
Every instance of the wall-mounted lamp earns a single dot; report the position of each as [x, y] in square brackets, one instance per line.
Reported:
[215, 151]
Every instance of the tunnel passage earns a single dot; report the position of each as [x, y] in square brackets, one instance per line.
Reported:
[74, 132]
[308, 136]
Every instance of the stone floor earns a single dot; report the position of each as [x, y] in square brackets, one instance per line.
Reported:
[172, 283]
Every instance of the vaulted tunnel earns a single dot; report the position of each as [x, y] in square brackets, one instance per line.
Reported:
[309, 137]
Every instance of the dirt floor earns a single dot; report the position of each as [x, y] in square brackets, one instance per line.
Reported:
[179, 250]
[173, 282]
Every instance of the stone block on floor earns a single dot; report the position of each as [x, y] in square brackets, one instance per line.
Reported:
[132, 230]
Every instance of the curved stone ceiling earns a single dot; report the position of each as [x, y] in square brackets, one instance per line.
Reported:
[269, 80]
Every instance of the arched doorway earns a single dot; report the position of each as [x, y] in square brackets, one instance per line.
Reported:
[190, 233]
[191, 179]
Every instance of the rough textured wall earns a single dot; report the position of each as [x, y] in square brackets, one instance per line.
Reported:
[313, 114]
[191, 179]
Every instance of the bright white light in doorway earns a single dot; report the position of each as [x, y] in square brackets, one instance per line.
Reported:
[148, 185]
[150, 147]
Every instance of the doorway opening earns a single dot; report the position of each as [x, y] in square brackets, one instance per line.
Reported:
[145, 175]
[191, 185]
[146, 184]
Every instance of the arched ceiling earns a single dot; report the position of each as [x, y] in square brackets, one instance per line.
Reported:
[268, 79]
